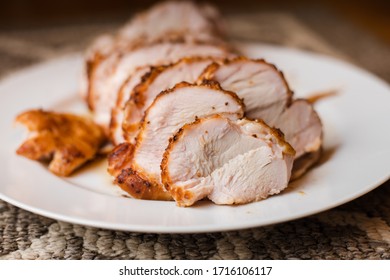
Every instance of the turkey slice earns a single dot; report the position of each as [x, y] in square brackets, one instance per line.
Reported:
[107, 76]
[117, 113]
[260, 84]
[228, 161]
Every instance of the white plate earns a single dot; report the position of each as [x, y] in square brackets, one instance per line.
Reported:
[357, 152]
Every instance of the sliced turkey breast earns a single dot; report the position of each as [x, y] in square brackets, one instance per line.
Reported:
[117, 114]
[169, 111]
[228, 161]
[172, 21]
[302, 128]
[107, 76]
[261, 85]
[158, 79]
[99, 48]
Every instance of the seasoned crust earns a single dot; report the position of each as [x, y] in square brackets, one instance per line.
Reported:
[120, 158]
[139, 187]
[90, 68]
[137, 100]
[67, 141]
[277, 133]
[120, 166]
[209, 72]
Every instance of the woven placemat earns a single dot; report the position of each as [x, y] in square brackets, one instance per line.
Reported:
[357, 230]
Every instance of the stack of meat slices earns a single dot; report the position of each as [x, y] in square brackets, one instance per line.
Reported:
[190, 118]
[160, 36]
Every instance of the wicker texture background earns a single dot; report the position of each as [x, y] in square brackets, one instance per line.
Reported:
[357, 230]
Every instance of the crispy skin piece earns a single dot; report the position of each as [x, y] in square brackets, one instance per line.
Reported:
[67, 141]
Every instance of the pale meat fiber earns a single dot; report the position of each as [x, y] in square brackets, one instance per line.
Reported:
[159, 79]
[117, 114]
[230, 162]
[262, 87]
[303, 130]
[166, 22]
[172, 21]
[112, 72]
[171, 111]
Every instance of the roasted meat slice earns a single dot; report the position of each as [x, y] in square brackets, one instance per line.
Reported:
[172, 21]
[261, 85]
[302, 128]
[228, 161]
[107, 76]
[67, 141]
[99, 48]
[158, 79]
[117, 114]
[267, 96]
[170, 110]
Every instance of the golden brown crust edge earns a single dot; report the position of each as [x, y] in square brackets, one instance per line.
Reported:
[131, 181]
[66, 141]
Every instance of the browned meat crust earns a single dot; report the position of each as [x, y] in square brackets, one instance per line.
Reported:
[67, 141]
[90, 67]
[137, 100]
[119, 166]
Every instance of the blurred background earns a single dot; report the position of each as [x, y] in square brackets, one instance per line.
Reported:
[373, 15]
[353, 30]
